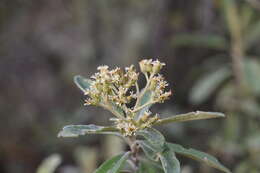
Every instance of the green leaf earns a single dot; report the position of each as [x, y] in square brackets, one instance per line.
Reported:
[212, 41]
[252, 73]
[82, 82]
[77, 130]
[114, 164]
[205, 86]
[147, 166]
[117, 109]
[198, 155]
[149, 150]
[198, 115]
[145, 98]
[169, 162]
[154, 137]
[253, 35]
[49, 164]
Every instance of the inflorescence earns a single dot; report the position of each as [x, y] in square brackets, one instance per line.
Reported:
[117, 89]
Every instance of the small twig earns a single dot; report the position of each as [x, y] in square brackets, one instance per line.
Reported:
[134, 162]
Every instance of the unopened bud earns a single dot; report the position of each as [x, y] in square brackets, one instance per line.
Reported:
[157, 66]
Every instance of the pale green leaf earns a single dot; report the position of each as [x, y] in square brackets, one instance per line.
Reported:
[77, 130]
[145, 98]
[252, 73]
[82, 83]
[198, 115]
[169, 162]
[153, 136]
[205, 86]
[117, 109]
[149, 150]
[49, 164]
[149, 167]
[114, 164]
[252, 35]
[198, 155]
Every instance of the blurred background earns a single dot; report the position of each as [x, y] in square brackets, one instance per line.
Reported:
[211, 49]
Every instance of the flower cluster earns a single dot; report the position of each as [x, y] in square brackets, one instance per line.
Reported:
[116, 88]
[112, 86]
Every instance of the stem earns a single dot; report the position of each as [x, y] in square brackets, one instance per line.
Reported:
[134, 150]
[137, 88]
[237, 55]
[143, 106]
[237, 48]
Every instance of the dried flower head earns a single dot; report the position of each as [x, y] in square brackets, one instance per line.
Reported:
[115, 89]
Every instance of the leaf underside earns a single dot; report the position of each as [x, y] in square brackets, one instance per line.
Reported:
[169, 162]
[146, 97]
[82, 83]
[153, 136]
[198, 115]
[77, 130]
[198, 155]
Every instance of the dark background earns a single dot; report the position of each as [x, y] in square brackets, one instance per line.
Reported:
[44, 43]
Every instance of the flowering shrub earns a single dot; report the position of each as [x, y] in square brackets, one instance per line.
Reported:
[116, 90]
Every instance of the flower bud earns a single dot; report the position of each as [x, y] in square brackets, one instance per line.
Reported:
[157, 66]
[142, 65]
[146, 65]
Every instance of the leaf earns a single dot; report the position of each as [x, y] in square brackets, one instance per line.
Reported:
[252, 73]
[147, 166]
[253, 35]
[198, 115]
[149, 150]
[198, 155]
[77, 130]
[205, 86]
[145, 98]
[49, 164]
[212, 41]
[154, 137]
[82, 83]
[169, 161]
[117, 109]
[114, 164]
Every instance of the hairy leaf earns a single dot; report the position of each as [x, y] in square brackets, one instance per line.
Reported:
[146, 98]
[153, 136]
[149, 167]
[149, 150]
[253, 35]
[77, 130]
[169, 162]
[82, 82]
[114, 164]
[205, 86]
[198, 115]
[198, 155]
[252, 73]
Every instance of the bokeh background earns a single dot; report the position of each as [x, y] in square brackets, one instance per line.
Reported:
[211, 48]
